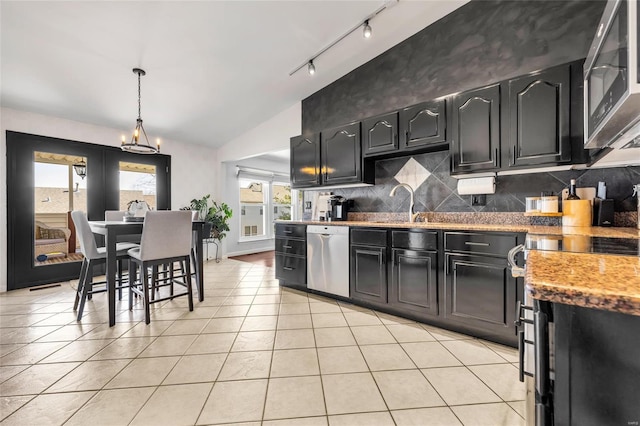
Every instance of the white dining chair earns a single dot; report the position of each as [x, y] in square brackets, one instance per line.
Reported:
[166, 238]
[93, 256]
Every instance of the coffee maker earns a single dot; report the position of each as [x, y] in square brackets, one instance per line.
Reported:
[340, 208]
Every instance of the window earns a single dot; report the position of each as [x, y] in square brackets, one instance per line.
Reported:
[254, 201]
[58, 189]
[137, 182]
[281, 201]
[261, 202]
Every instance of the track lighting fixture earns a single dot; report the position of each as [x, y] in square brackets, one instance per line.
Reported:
[366, 32]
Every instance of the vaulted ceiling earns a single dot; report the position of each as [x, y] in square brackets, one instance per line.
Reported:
[215, 69]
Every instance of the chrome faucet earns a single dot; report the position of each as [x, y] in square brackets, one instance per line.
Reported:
[412, 215]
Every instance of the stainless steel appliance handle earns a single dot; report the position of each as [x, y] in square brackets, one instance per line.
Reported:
[516, 271]
[472, 243]
[541, 350]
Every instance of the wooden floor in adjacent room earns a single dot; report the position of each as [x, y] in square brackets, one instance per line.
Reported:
[265, 258]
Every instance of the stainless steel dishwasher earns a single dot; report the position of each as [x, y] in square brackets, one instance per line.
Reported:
[328, 259]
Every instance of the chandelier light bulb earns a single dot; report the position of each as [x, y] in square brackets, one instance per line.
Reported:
[366, 33]
[312, 68]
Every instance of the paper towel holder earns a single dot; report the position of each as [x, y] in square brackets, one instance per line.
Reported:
[477, 186]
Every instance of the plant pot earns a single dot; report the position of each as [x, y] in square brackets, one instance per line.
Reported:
[207, 230]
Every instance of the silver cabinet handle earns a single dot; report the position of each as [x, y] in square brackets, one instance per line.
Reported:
[287, 268]
[516, 271]
[471, 243]
[288, 232]
[287, 247]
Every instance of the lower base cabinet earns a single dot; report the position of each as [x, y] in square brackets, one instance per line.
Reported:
[369, 273]
[414, 281]
[480, 293]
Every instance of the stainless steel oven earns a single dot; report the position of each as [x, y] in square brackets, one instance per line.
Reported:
[535, 348]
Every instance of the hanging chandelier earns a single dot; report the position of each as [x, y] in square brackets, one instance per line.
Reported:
[137, 145]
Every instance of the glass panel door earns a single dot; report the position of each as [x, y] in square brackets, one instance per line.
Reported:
[59, 188]
[137, 183]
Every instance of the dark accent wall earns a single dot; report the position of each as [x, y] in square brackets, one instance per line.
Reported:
[438, 192]
[480, 43]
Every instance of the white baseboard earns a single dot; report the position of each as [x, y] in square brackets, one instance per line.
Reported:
[243, 252]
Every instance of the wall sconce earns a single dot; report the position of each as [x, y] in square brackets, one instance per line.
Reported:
[81, 169]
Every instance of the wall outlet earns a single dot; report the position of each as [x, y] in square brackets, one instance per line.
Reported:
[479, 200]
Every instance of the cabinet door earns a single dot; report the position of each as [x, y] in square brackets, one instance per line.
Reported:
[369, 273]
[475, 133]
[341, 161]
[305, 162]
[422, 124]
[481, 293]
[538, 119]
[414, 282]
[380, 134]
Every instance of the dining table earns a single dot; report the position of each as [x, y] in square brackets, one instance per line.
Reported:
[112, 230]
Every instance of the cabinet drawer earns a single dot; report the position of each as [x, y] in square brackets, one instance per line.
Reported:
[416, 240]
[290, 246]
[369, 237]
[291, 269]
[496, 244]
[290, 230]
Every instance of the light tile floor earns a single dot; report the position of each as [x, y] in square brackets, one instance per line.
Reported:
[251, 353]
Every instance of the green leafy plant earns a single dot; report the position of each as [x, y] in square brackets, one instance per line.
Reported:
[219, 215]
[200, 205]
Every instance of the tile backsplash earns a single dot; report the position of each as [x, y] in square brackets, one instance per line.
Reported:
[436, 189]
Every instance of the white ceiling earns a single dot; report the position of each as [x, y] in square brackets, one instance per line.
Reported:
[215, 69]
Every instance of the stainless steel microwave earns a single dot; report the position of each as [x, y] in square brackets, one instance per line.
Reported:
[612, 78]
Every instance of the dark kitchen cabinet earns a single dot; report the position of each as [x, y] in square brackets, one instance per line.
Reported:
[305, 161]
[414, 281]
[479, 290]
[380, 134]
[414, 272]
[536, 128]
[291, 254]
[475, 130]
[341, 156]
[422, 125]
[596, 366]
[369, 265]
[480, 293]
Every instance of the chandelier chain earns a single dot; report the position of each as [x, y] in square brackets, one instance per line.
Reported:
[139, 103]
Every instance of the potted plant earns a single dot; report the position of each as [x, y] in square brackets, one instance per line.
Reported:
[216, 216]
[201, 206]
[219, 215]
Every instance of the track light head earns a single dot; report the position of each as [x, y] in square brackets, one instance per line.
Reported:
[312, 68]
[366, 32]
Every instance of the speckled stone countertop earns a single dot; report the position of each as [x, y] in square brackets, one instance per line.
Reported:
[592, 231]
[589, 280]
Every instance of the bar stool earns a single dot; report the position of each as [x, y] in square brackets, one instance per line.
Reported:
[93, 256]
[166, 238]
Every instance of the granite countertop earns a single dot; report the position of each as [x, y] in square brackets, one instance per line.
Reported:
[592, 231]
[599, 281]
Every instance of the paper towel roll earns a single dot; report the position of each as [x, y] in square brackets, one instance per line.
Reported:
[483, 185]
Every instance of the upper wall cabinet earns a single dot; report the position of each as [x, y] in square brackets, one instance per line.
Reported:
[341, 157]
[380, 134]
[305, 161]
[536, 119]
[475, 132]
[423, 124]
